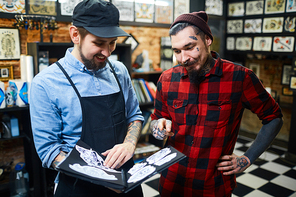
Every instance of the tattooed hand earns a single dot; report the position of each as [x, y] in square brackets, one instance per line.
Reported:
[161, 128]
[233, 164]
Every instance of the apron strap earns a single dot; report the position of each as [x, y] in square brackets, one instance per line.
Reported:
[69, 79]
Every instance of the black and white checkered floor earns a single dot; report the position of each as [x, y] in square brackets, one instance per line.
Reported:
[270, 175]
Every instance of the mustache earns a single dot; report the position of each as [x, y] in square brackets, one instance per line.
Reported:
[188, 63]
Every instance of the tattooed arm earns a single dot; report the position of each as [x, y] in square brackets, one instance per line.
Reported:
[121, 153]
[58, 159]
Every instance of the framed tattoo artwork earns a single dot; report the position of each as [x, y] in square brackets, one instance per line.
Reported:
[292, 82]
[10, 44]
[274, 6]
[254, 7]
[214, 7]
[283, 44]
[6, 72]
[286, 91]
[243, 43]
[181, 7]
[67, 7]
[230, 43]
[236, 9]
[164, 11]
[253, 25]
[290, 24]
[144, 12]
[126, 9]
[291, 6]
[234, 26]
[273, 25]
[286, 72]
[13, 6]
[42, 7]
[262, 44]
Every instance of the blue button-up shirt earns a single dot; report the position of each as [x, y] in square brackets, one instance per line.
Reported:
[55, 109]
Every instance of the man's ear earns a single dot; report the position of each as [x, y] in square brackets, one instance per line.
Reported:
[208, 41]
[74, 34]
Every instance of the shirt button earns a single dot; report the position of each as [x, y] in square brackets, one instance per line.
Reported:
[192, 142]
[175, 105]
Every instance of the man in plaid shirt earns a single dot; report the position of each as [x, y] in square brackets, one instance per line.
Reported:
[199, 107]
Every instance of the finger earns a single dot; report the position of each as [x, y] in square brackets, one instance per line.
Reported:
[105, 153]
[225, 157]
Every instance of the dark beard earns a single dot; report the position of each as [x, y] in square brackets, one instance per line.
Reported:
[90, 64]
[197, 76]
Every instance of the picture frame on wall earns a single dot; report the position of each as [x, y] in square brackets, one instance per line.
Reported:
[236, 9]
[255, 68]
[292, 82]
[16, 6]
[144, 11]
[126, 9]
[286, 91]
[275, 6]
[286, 74]
[283, 44]
[262, 43]
[164, 11]
[67, 7]
[46, 7]
[10, 44]
[290, 24]
[234, 26]
[291, 6]
[214, 7]
[6, 72]
[254, 7]
[273, 25]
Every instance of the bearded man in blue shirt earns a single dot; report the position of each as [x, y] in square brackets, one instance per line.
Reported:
[89, 97]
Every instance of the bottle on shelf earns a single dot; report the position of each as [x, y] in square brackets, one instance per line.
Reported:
[19, 181]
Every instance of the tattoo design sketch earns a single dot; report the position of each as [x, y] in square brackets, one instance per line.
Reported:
[126, 9]
[92, 158]
[290, 24]
[253, 25]
[214, 7]
[235, 26]
[254, 7]
[12, 6]
[230, 43]
[262, 43]
[136, 168]
[243, 43]
[283, 44]
[158, 156]
[273, 24]
[274, 6]
[92, 171]
[68, 6]
[236, 9]
[291, 6]
[144, 12]
[166, 159]
[42, 7]
[139, 175]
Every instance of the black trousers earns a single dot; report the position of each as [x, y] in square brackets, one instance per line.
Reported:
[72, 187]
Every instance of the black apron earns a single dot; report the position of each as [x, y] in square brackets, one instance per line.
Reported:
[103, 126]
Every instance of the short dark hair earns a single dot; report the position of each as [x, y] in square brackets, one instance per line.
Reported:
[180, 26]
[83, 32]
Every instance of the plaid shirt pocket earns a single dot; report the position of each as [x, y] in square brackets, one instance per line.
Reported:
[218, 113]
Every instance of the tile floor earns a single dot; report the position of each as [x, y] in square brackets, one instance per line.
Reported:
[270, 175]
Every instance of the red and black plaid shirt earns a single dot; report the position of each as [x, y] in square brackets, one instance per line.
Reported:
[206, 120]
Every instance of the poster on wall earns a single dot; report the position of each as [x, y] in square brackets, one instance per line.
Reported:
[16, 6]
[283, 44]
[253, 25]
[214, 7]
[230, 43]
[126, 9]
[144, 11]
[274, 6]
[273, 25]
[10, 44]
[236, 9]
[164, 11]
[254, 7]
[243, 43]
[181, 7]
[290, 24]
[291, 6]
[67, 6]
[262, 44]
[234, 26]
[46, 7]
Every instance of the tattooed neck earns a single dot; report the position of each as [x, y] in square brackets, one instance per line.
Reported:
[209, 64]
